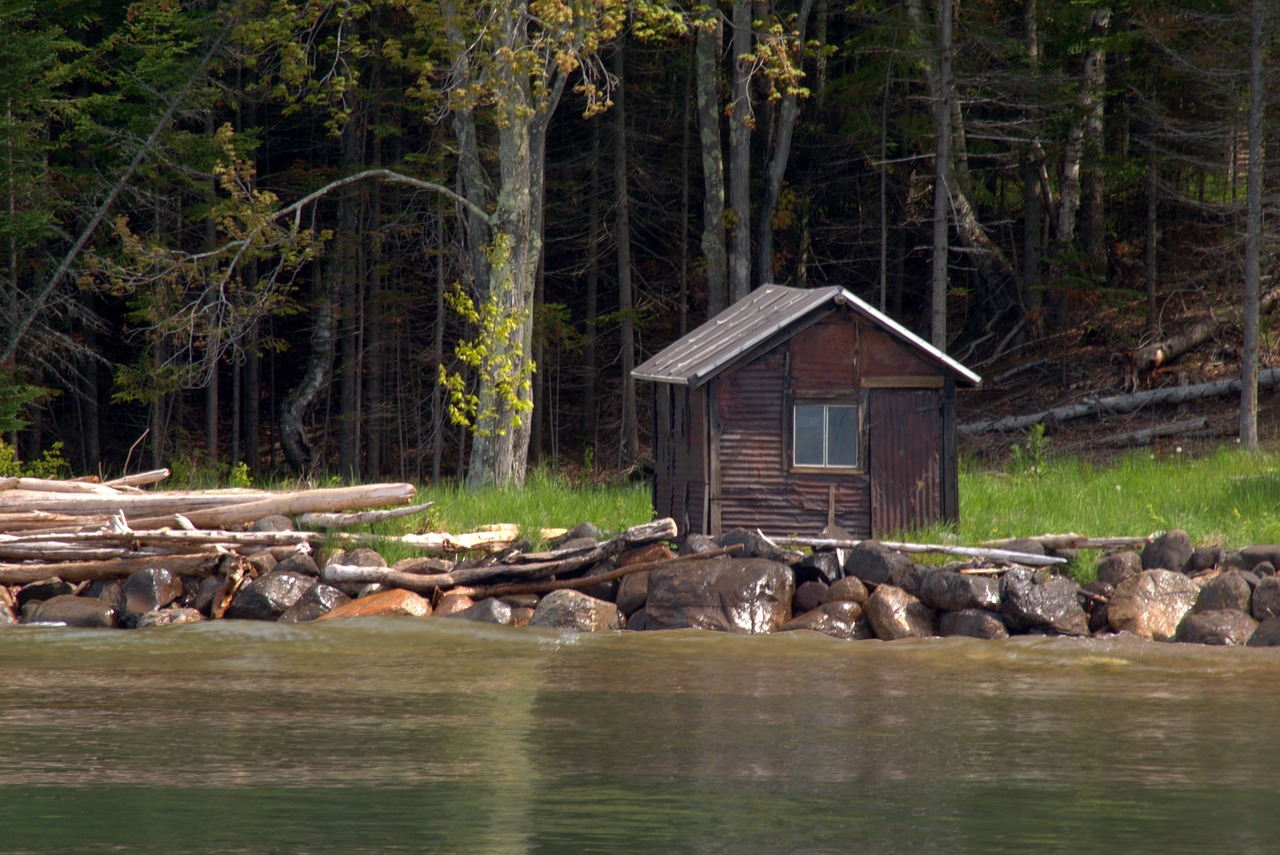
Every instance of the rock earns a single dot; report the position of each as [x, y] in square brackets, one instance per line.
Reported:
[607, 590]
[580, 543]
[521, 601]
[452, 603]
[394, 602]
[1170, 551]
[1266, 635]
[362, 557]
[876, 565]
[521, 615]
[108, 590]
[637, 621]
[488, 610]
[210, 590]
[268, 596]
[1220, 626]
[574, 610]
[945, 590]
[849, 588]
[45, 589]
[895, 614]
[840, 619]
[743, 595]
[1152, 604]
[809, 596]
[1114, 569]
[1230, 592]
[147, 590]
[1205, 558]
[73, 611]
[169, 617]
[301, 562]
[1264, 568]
[1266, 599]
[1097, 609]
[317, 601]
[7, 617]
[579, 532]
[972, 623]
[754, 545]
[276, 522]
[1025, 545]
[651, 554]
[633, 590]
[1042, 603]
[696, 544]
[822, 566]
[1252, 556]
[262, 562]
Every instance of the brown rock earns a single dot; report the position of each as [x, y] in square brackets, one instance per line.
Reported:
[394, 602]
[633, 590]
[849, 588]
[1114, 569]
[1222, 627]
[73, 611]
[809, 596]
[452, 603]
[896, 614]
[150, 589]
[1152, 604]
[972, 623]
[574, 610]
[1230, 592]
[743, 595]
[488, 610]
[1170, 551]
[839, 619]
[169, 617]
[318, 600]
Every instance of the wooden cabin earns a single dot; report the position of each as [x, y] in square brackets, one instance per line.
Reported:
[795, 409]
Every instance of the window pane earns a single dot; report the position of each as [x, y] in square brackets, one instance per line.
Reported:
[808, 435]
[842, 436]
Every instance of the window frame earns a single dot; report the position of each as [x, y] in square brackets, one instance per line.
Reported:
[827, 405]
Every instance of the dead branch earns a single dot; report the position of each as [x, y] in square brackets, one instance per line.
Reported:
[931, 548]
[80, 571]
[339, 520]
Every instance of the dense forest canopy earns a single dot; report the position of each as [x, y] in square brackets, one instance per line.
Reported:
[430, 238]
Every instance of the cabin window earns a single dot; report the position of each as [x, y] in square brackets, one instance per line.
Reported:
[825, 435]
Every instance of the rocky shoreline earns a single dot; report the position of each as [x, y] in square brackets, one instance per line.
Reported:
[1169, 591]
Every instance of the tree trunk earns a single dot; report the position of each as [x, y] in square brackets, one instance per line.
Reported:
[299, 454]
[592, 296]
[1253, 236]
[630, 430]
[714, 251]
[740, 119]
[942, 182]
[1150, 253]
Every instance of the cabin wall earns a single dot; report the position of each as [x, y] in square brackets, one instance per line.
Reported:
[680, 455]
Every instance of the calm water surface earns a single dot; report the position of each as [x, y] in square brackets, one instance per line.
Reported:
[392, 735]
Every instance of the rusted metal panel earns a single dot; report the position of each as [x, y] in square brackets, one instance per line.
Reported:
[883, 354]
[825, 357]
[905, 428]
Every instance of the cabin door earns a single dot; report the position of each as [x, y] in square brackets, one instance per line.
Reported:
[904, 435]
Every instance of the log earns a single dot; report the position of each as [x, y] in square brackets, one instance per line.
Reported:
[141, 479]
[286, 504]
[140, 504]
[931, 549]
[51, 485]
[489, 539]
[339, 520]
[1076, 541]
[1144, 436]
[1154, 355]
[91, 571]
[1120, 403]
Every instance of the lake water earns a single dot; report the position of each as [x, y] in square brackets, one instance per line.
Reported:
[386, 735]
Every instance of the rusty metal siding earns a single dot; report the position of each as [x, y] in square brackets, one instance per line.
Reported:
[679, 454]
[905, 428]
[884, 355]
[825, 358]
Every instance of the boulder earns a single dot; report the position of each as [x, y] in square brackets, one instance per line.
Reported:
[754, 545]
[972, 623]
[391, 603]
[1220, 626]
[301, 562]
[946, 590]
[108, 590]
[362, 557]
[895, 614]
[316, 601]
[268, 596]
[45, 589]
[7, 617]
[1230, 591]
[1266, 599]
[1251, 556]
[581, 531]
[574, 610]
[820, 566]
[696, 544]
[849, 588]
[1115, 568]
[809, 596]
[651, 554]
[1152, 604]
[875, 564]
[1170, 551]
[1264, 568]
[488, 610]
[150, 589]
[633, 590]
[1266, 635]
[1041, 602]
[637, 621]
[607, 590]
[168, 617]
[452, 603]
[1096, 606]
[742, 595]
[1205, 558]
[521, 615]
[840, 619]
[72, 611]
[275, 522]
[261, 562]
[209, 591]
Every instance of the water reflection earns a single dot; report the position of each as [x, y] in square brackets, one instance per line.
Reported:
[388, 735]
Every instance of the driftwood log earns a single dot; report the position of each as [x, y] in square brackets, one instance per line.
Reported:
[1152, 356]
[1075, 541]
[342, 520]
[1144, 436]
[91, 571]
[1119, 404]
[992, 554]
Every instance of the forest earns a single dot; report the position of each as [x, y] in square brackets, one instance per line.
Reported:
[429, 239]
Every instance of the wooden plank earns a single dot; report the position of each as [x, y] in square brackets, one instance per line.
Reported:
[903, 381]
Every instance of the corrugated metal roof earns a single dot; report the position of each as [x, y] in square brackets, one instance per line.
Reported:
[703, 353]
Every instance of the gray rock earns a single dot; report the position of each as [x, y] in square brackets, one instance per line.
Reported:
[633, 590]
[637, 621]
[1251, 556]
[488, 610]
[362, 557]
[319, 599]
[269, 596]
[877, 565]
[209, 591]
[1114, 569]
[73, 611]
[581, 531]
[1152, 604]
[150, 589]
[1221, 626]
[742, 595]
[1264, 568]
[1266, 599]
[1230, 592]
[946, 590]
[821, 566]
[1170, 551]
[574, 610]
[1266, 635]
[840, 619]
[301, 562]
[169, 617]
[262, 562]
[809, 596]
[276, 522]
[108, 590]
[45, 589]
[7, 617]
[895, 614]
[849, 588]
[755, 546]
[1205, 558]
[972, 623]
[1039, 602]
[1025, 545]
[696, 544]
